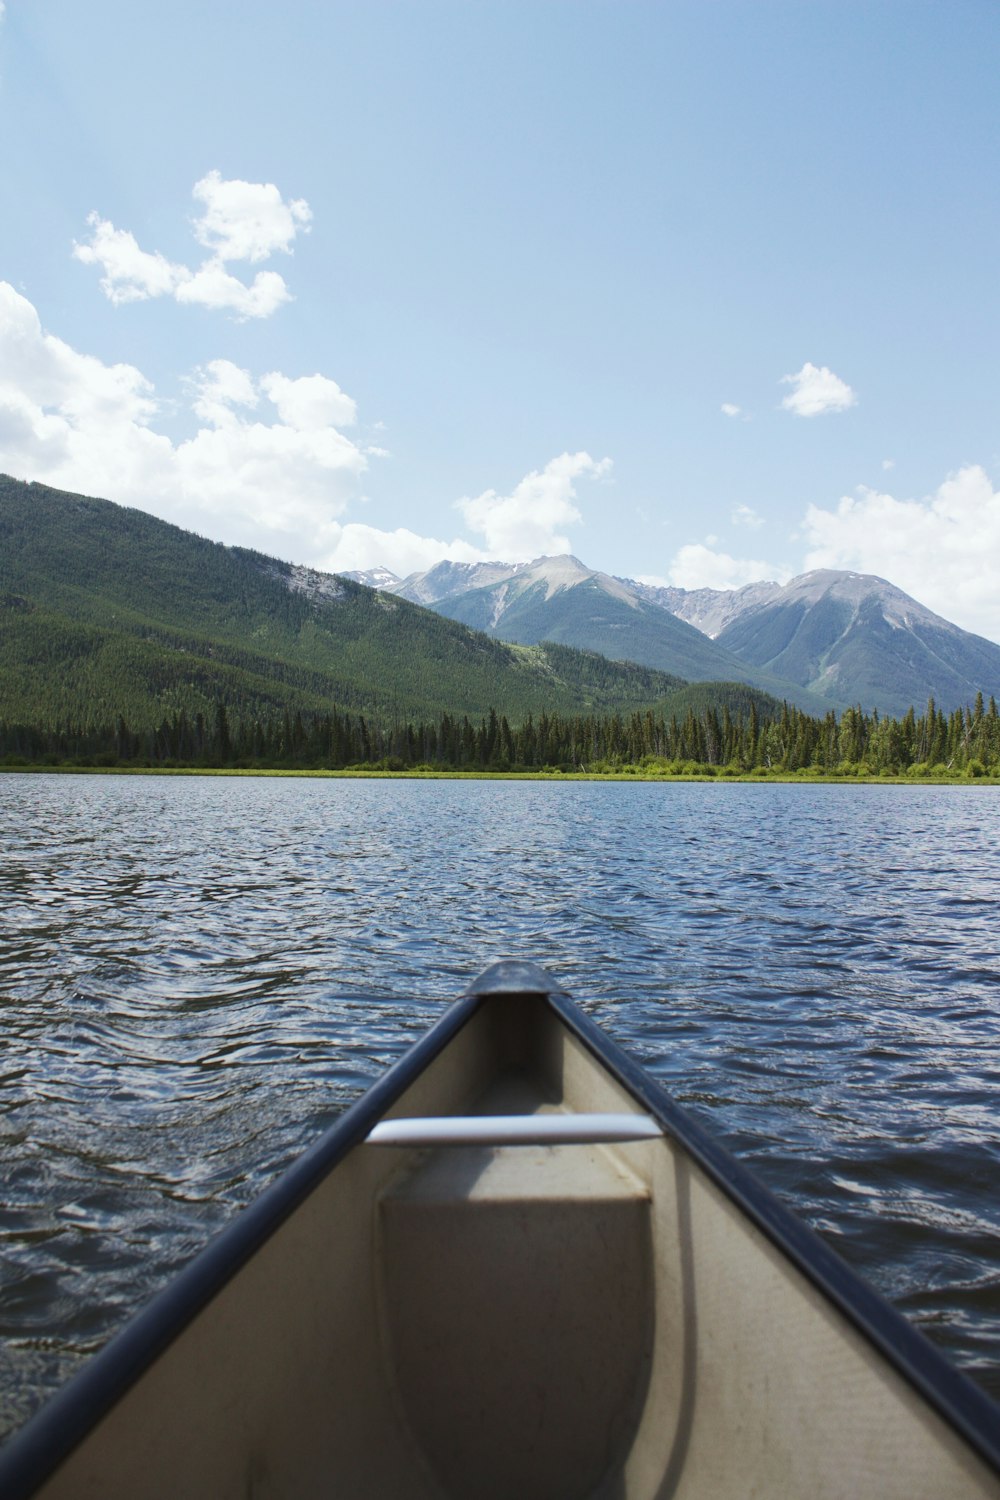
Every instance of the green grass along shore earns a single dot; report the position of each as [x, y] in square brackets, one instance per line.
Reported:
[552, 773]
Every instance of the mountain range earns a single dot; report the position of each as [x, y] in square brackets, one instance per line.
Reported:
[106, 611]
[825, 640]
[559, 599]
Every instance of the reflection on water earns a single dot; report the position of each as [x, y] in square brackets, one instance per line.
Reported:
[188, 966]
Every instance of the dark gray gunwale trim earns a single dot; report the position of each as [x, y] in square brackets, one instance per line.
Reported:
[34, 1453]
[958, 1401]
[51, 1435]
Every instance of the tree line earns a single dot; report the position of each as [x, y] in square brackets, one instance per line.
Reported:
[711, 741]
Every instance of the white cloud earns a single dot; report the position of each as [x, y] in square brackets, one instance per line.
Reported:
[246, 220]
[267, 465]
[745, 515]
[130, 274]
[699, 567]
[816, 390]
[943, 549]
[729, 410]
[219, 387]
[70, 420]
[888, 463]
[212, 286]
[358, 547]
[526, 523]
[515, 527]
[241, 221]
[311, 401]
[54, 401]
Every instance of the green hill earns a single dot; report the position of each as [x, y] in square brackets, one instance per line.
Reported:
[108, 611]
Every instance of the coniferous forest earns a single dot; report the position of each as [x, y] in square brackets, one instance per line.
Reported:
[127, 642]
[702, 742]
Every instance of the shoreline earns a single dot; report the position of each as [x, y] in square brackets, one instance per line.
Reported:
[721, 777]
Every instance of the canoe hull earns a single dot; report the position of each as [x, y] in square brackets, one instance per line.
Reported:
[634, 1319]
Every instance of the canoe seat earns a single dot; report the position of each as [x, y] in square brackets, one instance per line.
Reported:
[517, 1299]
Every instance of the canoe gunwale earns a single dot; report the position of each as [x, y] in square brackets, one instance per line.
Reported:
[957, 1399]
[50, 1436]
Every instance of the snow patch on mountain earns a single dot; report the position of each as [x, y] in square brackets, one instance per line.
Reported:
[374, 578]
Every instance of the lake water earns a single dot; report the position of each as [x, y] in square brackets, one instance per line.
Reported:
[197, 974]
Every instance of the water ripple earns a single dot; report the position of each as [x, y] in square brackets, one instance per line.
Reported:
[190, 973]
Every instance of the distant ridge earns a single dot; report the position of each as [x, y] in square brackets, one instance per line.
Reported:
[560, 599]
[827, 639]
[708, 610]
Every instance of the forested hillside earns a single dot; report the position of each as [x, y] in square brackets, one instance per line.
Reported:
[126, 641]
[107, 613]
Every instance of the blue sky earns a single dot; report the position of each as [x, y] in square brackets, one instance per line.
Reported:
[702, 291]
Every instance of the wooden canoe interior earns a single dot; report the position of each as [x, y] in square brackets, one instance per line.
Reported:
[525, 1322]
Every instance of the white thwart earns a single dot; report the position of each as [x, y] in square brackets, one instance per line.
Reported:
[514, 1130]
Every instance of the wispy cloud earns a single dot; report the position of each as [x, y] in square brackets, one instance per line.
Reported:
[240, 221]
[729, 410]
[745, 515]
[815, 391]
